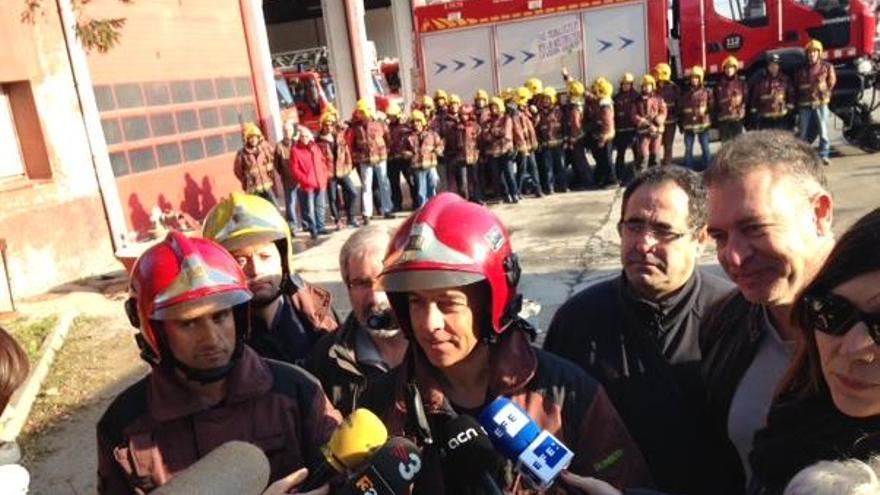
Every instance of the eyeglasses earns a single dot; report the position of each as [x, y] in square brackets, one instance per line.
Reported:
[834, 315]
[662, 235]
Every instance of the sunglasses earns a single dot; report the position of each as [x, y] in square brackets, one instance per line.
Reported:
[834, 315]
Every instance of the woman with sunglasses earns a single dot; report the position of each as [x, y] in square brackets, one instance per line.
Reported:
[828, 406]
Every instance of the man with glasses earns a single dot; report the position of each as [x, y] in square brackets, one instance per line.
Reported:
[770, 214]
[369, 343]
[637, 333]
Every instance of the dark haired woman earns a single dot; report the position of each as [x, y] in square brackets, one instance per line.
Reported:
[828, 406]
[14, 479]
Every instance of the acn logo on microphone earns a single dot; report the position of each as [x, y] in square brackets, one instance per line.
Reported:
[461, 438]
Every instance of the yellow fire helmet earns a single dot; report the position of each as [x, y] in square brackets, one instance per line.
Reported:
[393, 109]
[418, 116]
[550, 92]
[497, 102]
[627, 78]
[535, 85]
[454, 99]
[508, 94]
[730, 61]
[246, 220]
[330, 108]
[663, 72]
[603, 88]
[648, 80]
[698, 71]
[576, 88]
[482, 94]
[427, 102]
[523, 94]
[328, 117]
[251, 129]
[814, 45]
[441, 95]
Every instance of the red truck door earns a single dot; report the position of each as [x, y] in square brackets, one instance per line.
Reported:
[712, 30]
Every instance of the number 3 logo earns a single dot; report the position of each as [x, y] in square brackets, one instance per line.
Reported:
[409, 470]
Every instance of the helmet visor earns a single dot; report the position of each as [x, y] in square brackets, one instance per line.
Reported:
[426, 279]
[202, 306]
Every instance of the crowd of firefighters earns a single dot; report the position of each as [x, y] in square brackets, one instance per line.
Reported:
[525, 140]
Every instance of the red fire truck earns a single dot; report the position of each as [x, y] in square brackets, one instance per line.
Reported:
[494, 44]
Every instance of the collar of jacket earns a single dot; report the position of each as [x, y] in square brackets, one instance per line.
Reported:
[670, 311]
[169, 398]
[512, 364]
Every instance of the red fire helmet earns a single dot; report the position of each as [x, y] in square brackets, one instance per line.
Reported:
[451, 242]
[182, 278]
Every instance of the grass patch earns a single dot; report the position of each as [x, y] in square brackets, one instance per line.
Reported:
[31, 332]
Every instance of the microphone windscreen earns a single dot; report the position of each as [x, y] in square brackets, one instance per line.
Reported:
[467, 448]
[391, 471]
[355, 440]
[510, 429]
[234, 468]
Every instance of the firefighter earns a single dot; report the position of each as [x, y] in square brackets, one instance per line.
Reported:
[441, 101]
[369, 151]
[525, 142]
[448, 131]
[548, 127]
[694, 118]
[334, 146]
[600, 132]
[671, 94]
[574, 123]
[424, 148]
[254, 164]
[481, 105]
[625, 104]
[288, 315]
[731, 97]
[815, 82]
[468, 158]
[772, 97]
[650, 119]
[398, 164]
[536, 87]
[498, 139]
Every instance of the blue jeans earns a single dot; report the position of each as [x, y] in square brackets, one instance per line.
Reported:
[290, 207]
[503, 168]
[349, 198]
[426, 184]
[689, 149]
[552, 167]
[312, 203]
[381, 171]
[527, 168]
[819, 117]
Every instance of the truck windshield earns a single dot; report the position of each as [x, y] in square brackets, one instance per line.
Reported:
[285, 99]
[826, 6]
[748, 12]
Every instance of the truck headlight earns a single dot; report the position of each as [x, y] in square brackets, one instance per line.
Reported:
[864, 66]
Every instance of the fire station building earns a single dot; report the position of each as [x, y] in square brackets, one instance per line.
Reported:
[93, 142]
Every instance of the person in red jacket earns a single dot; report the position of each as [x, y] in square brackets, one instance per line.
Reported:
[309, 169]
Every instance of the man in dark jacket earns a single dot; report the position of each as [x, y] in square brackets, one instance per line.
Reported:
[189, 302]
[770, 214]
[288, 315]
[282, 169]
[637, 333]
[370, 342]
[453, 286]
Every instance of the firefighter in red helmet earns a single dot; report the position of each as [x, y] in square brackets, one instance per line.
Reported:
[206, 387]
[451, 277]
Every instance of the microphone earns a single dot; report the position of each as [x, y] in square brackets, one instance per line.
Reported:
[382, 320]
[234, 468]
[353, 442]
[468, 451]
[391, 471]
[539, 455]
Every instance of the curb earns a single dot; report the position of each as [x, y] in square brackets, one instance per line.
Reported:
[16, 414]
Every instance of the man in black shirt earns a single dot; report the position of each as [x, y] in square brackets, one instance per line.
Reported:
[637, 333]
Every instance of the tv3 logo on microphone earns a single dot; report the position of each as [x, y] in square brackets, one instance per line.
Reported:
[410, 463]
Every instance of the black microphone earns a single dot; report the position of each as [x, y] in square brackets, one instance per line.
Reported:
[468, 451]
[391, 471]
[234, 468]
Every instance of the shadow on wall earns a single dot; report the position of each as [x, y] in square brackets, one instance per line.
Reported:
[197, 200]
